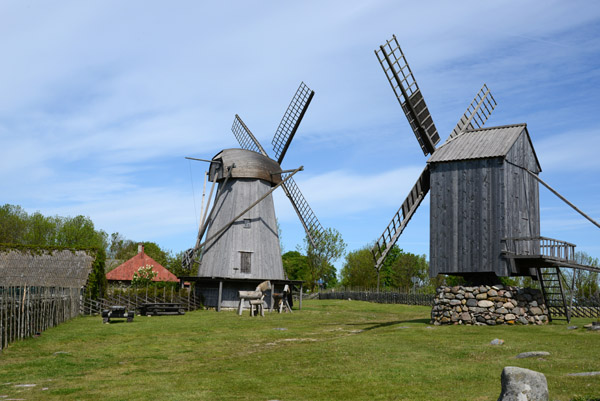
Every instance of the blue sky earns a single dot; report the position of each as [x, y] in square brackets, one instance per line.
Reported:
[100, 101]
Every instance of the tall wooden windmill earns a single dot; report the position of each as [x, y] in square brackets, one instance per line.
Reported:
[241, 247]
[484, 212]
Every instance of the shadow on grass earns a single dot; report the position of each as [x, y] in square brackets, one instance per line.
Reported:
[388, 324]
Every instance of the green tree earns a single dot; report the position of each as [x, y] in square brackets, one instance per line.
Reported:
[329, 247]
[295, 266]
[359, 269]
[41, 230]
[406, 268]
[13, 224]
[79, 231]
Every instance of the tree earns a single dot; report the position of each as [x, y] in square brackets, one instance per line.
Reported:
[79, 231]
[13, 224]
[41, 230]
[408, 267]
[359, 269]
[295, 266]
[329, 247]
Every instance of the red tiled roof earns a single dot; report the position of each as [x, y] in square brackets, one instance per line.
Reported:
[124, 272]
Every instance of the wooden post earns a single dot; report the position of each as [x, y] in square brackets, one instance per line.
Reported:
[220, 298]
[300, 304]
[271, 298]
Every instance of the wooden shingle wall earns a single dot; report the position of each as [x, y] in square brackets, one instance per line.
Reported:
[258, 236]
[476, 203]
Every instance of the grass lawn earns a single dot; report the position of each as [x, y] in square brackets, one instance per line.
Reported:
[331, 350]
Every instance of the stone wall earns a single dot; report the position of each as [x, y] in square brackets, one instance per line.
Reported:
[488, 305]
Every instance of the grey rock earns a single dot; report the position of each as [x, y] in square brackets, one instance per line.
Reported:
[471, 302]
[520, 384]
[485, 304]
[502, 310]
[465, 317]
[492, 293]
[523, 320]
[508, 305]
[509, 316]
[533, 303]
[481, 296]
[460, 296]
[536, 311]
[532, 354]
[469, 295]
[455, 302]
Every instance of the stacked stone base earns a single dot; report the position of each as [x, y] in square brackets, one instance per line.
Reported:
[488, 305]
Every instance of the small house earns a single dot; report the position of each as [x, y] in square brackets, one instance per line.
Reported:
[122, 275]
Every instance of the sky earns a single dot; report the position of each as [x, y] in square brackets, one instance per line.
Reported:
[101, 101]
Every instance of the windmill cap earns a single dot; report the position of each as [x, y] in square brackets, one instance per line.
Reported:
[246, 164]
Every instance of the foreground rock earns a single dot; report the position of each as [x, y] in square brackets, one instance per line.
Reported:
[520, 384]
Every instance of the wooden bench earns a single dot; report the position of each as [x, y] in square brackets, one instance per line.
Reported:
[117, 312]
[255, 299]
[164, 308]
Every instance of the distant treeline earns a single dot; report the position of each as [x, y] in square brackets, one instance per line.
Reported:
[34, 229]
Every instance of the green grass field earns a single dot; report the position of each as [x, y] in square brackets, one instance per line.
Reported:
[331, 350]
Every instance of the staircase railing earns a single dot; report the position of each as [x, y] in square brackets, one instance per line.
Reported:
[541, 246]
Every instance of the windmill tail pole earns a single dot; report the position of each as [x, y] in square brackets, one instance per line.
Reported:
[563, 198]
[226, 226]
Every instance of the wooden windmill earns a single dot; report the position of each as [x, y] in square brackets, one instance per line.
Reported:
[484, 211]
[241, 246]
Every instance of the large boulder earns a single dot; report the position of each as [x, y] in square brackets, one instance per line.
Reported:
[520, 384]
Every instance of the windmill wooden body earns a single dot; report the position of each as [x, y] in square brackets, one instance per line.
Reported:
[484, 213]
[238, 243]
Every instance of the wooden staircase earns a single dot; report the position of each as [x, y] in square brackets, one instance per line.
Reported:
[552, 290]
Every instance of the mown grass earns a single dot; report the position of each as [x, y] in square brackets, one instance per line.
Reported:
[331, 350]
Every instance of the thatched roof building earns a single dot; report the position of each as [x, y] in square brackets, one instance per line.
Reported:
[44, 267]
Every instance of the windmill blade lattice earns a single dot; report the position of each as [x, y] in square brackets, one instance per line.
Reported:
[392, 232]
[291, 120]
[477, 113]
[312, 226]
[244, 136]
[409, 95]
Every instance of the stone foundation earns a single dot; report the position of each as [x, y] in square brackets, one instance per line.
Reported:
[488, 305]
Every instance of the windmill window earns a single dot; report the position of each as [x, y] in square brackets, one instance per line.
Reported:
[246, 223]
[245, 258]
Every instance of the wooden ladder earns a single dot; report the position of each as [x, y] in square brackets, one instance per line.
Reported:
[553, 293]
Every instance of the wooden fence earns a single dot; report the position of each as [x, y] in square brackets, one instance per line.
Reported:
[382, 297]
[133, 299]
[26, 311]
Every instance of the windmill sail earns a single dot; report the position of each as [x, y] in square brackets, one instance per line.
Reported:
[291, 120]
[392, 232]
[244, 136]
[409, 95]
[477, 113]
[312, 226]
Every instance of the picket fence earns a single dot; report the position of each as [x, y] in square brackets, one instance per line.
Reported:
[26, 311]
[382, 297]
